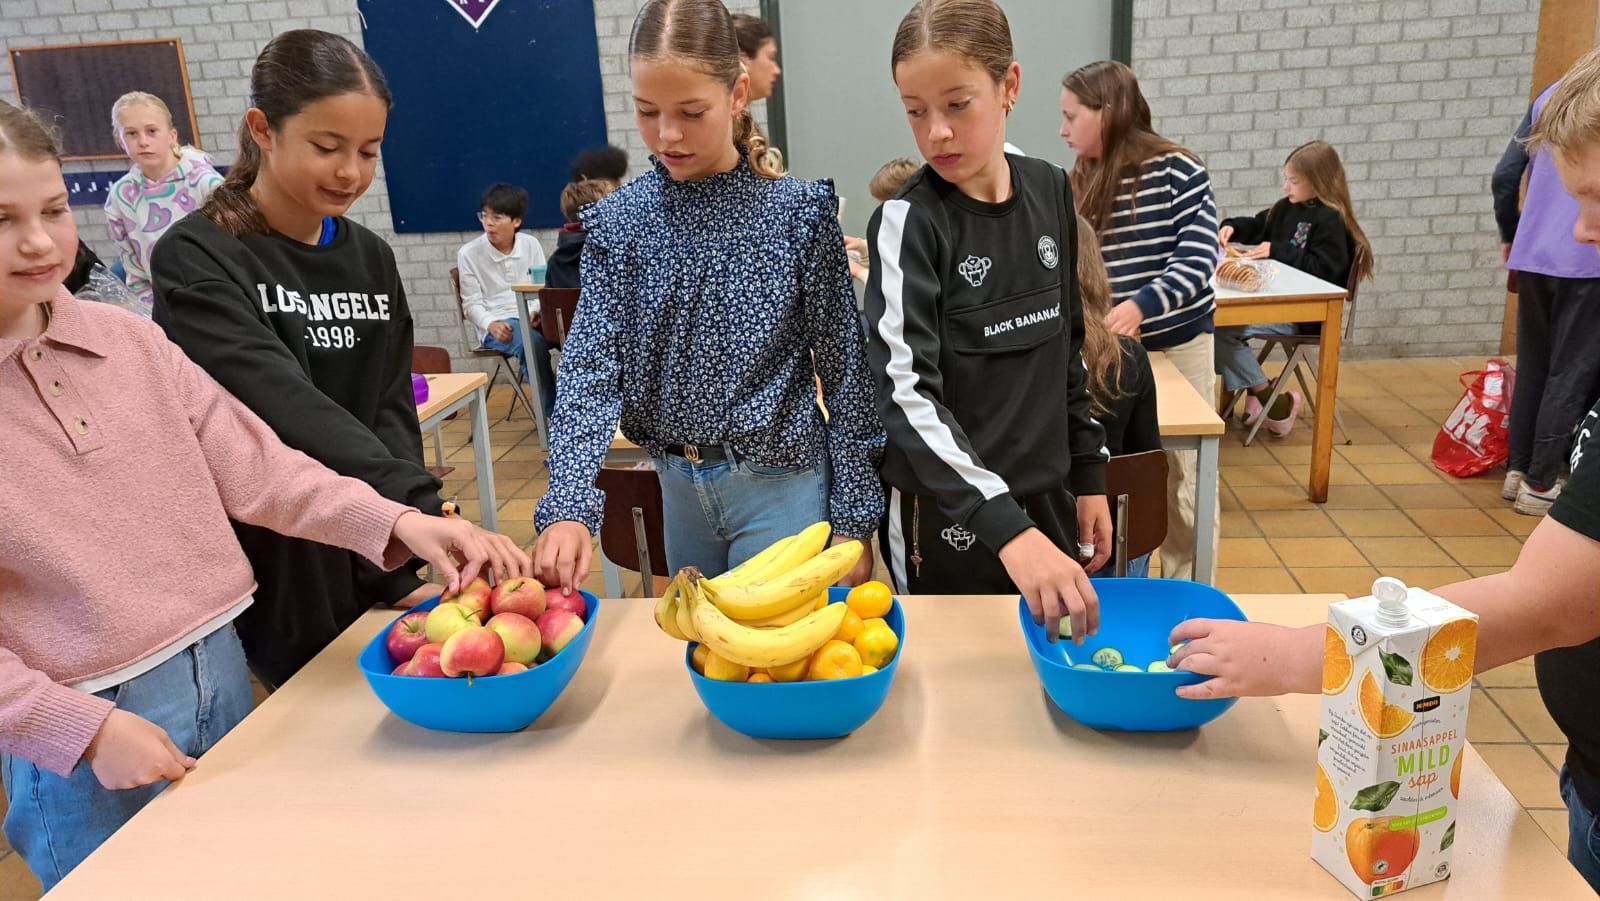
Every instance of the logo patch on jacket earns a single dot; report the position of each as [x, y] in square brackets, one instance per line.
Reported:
[1048, 254]
[958, 537]
[974, 269]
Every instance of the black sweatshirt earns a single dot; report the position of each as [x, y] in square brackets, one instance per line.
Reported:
[974, 315]
[1130, 418]
[563, 268]
[1308, 236]
[316, 340]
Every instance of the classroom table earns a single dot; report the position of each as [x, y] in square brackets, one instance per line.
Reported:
[969, 783]
[447, 393]
[535, 377]
[1295, 296]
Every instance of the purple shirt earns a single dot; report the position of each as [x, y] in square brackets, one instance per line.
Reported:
[1544, 242]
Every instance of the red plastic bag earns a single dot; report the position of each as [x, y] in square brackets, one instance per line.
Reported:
[1474, 438]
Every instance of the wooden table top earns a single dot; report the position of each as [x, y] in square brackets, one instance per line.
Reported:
[1288, 283]
[446, 388]
[968, 783]
[1180, 410]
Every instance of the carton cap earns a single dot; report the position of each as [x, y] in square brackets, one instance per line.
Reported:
[1391, 595]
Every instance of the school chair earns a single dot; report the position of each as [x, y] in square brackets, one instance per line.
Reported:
[502, 361]
[426, 360]
[1136, 485]
[633, 530]
[558, 308]
[1299, 352]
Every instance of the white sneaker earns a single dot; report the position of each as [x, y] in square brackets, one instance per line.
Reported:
[1536, 503]
[1508, 489]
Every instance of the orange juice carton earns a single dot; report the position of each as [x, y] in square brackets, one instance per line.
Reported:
[1396, 677]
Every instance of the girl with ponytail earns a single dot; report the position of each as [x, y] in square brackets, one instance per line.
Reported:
[716, 295]
[300, 313]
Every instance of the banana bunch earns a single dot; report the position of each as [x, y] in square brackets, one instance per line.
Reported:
[764, 612]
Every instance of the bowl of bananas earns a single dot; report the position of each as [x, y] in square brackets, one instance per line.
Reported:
[774, 652]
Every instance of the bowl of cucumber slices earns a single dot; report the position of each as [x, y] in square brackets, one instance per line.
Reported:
[1118, 679]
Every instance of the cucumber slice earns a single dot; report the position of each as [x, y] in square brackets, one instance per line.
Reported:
[1175, 647]
[1065, 630]
[1110, 658]
[1087, 666]
[1160, 666]
[1127, 668]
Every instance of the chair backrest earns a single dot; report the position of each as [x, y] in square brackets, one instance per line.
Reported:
[633, 531]
[557, 309]
[1353, 286]
[429, 360]
[1136, 485]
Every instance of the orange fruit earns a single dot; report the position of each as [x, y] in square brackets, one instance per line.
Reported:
[877, 645]
[701, 652]
[1377, 852]
[1325, 815]
[868, 669]
[759, 677]
[870, 599]
[725, 670]
[850, 628]
[1450, 656]
[790, 672]
[1455, 776]
[1384, 719]
[821, 602]
[834, 660]
[1336, 663]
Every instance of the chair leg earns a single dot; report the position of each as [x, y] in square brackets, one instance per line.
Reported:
[516, 386]
[1266, 405]
[1306, 362]
[438, 447]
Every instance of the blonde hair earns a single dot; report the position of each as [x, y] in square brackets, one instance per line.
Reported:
[1318, 163]
[579, 194]
[890, 176]
[1102, 349]
[1570, 119]
[700, 33]
[144, 98]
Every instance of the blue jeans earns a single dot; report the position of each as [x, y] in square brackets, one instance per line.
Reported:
[720, 514]
[1138, 568]
[541, 359]
[1236, 362]
[1583, 834]
[197, 696]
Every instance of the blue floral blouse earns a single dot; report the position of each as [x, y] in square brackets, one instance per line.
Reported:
[706, 308]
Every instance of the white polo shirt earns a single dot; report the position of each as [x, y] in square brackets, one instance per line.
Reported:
[487, 276]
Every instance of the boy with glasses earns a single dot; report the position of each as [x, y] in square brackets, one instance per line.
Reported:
[490, 264]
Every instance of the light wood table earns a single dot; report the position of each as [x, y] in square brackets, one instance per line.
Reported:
[535, 377]
[967, 784]
[1187, 421]
[1295, 296]
[447, 393]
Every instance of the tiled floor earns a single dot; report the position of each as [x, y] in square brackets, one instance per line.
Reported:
[1389, 512]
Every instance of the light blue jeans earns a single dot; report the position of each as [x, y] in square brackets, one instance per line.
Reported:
[1236, 362]
[1138, 568]
[197, 696]
[720, 514]
[1583, 834]
[541, 359]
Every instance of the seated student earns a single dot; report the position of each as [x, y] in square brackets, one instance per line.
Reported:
[1120, 381]
[884, 185]
[490, 264]
[606, 163]
[563, 269]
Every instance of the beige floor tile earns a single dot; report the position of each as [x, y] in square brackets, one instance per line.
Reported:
[1375, 402]
[1532, 781]
[1514, 522]
[1374, 523]
[522, 452]
[1357, 497]
[1295, 457]
[1318, 552]
[1516, 674]
[518, 509]
[1273, 497]
[1398, 474]
[1365, 436]
[1245, 476]
[1429, 577]
[1500, 552]
[1554, 824]
[519, 469]
[1344, 474]
[523, 533]
[1455, 523]
[1238, 524]
[1388, 553]
[17, 882]
[1350, 581]
[1433, 497]
[1245, 552]
[1234, 453]
[1401, 416]
[1554, 752]
[1487, 723]
[1411, 434]
[534, 488]
[1275, 524]
[1257, 580]
[1526, 709]
[1482, 493]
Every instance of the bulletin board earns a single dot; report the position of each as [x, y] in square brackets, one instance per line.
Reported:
[74, 86]
[510, 94]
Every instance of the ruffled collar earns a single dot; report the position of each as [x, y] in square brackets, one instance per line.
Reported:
[738, 180]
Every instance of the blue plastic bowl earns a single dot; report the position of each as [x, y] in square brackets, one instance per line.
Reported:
[802, 710]
[1136, 617]
[488, 704]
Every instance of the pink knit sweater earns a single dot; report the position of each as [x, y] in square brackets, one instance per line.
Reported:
[122, 463]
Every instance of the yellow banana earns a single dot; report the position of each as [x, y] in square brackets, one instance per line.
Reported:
[750, 569]
[781, 619]
[780, 557]
[782, 593]
[666, 611]
[762, 647]
[683, 609]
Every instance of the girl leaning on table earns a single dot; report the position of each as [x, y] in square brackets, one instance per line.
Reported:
[715, 294]
[119, 577]
[299, 311]
[995, 463]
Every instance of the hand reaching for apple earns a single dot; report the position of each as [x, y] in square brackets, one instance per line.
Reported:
[561, 555]
[130, 751]
[445, 543]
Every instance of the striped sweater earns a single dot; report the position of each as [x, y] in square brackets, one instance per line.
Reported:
[1161, 249]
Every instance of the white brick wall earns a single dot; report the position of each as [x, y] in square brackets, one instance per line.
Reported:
[1419, 96]
[220, 43]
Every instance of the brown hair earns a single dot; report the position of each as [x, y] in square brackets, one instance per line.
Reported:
[890, 176]
[751, 32]
[1102, 349]
[976, 30]
[1570, 119]
[579, 194]
[700, 33]
[22, 133]
[295, 69]
[1127, 139]
[1318, 163]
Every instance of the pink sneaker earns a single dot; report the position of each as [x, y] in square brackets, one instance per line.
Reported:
[1281, 427]
[1251, 411]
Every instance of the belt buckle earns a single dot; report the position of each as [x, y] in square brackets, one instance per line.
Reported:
[691, 453]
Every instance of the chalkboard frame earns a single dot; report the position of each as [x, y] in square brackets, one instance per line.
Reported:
[181, 116]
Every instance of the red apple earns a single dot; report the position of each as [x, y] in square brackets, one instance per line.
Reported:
[402, 669]
[558, 628]
[511, 667]
[521, 636]
[555, 600]
[408, 633]
[524, 596]
[474, 598]
[474, 651]
[446, 620]
[426, 662]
